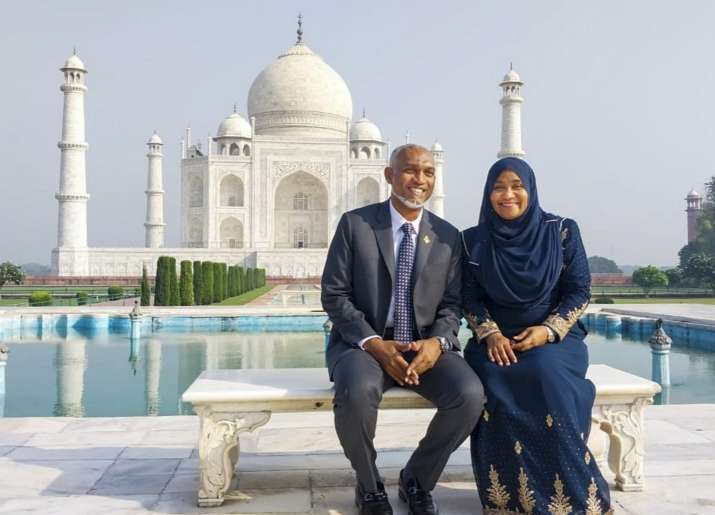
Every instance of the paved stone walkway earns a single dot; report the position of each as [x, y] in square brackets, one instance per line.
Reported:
[145, 465]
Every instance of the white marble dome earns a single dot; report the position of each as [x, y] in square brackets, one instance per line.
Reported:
[155, 140]
[365, 130]
[74, 63]
[300, 94]
[234, 126]
[512, 76]
[694, 194]
[437, 147]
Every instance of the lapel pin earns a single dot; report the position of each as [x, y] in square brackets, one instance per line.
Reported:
[426, 239]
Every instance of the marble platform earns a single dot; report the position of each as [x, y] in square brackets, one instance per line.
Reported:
[293, 464]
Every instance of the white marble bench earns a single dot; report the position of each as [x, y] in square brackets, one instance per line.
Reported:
[229, 402]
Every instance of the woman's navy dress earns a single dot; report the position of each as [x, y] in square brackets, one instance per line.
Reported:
[529, 448]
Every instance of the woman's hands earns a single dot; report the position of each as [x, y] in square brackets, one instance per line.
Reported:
[531, 337]
[501, 350]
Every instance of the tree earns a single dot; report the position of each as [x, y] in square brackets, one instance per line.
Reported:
[197, 282]
[649, 277]
[145, 289]
[602, 265]
[218, 283]
[162, 282]
[675, 276]
[224, 275]
[10, 273]
[701, 267]
[207, 282]
[175, 297]
[186, 284]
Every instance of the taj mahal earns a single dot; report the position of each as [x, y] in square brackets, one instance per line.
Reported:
[267, 190]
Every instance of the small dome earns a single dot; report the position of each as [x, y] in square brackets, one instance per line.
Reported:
[512, 76]
[300, 94]
[365, 130]
[234, 126]
[155, 140]
[74, 63]
[437, 147]
[694, 194]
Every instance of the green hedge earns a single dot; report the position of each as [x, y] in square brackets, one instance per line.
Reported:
[40, 298]
[115, 292]
[197, 282]
[145, 289]
[82, 298]
[186, 286]
[207, 278]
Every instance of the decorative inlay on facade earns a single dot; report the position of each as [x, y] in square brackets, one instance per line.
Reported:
[73, 88]
[283, 168]
[71, 197]
[64, 145]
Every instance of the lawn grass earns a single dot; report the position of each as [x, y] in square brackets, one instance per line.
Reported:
[247, 297]
[13, 302]
[662, 300]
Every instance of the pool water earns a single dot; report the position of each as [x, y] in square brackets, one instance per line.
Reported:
[110, 375]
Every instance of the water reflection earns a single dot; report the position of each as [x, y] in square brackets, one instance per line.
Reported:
[70, 362]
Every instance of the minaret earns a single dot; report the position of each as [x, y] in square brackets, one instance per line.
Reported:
[71, 362]
[694, 206]
[154, 195]
[437, 200]
[72, 196]
[511, 115]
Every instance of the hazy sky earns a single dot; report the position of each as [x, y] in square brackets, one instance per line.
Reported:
[617, 118]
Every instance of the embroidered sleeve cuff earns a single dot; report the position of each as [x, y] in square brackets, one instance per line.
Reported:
[483, 329]
[561, 325]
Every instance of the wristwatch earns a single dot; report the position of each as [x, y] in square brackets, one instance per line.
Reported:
[551, 338]
[444, 344]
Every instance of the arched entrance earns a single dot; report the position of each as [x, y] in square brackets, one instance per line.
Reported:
[300, 212]
[231, 233]
[368, 192]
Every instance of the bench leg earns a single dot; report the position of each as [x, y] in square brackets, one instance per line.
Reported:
[623, 424]
[218, 451]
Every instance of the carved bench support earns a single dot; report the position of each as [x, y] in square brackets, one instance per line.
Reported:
[623, 423]
[218, 451]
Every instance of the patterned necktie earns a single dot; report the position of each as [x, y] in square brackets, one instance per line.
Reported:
[403, 316]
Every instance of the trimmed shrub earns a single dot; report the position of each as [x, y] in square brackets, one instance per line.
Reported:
[175, 299]
[145, 289]
[82, 298]
[207, 282]
[197, 282]
[40, 298]
[224, 276]
[218, 283]
[186, 284]
[162, 286]
[603, 300]
[115, 292]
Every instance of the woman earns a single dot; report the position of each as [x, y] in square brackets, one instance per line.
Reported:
[526, 282]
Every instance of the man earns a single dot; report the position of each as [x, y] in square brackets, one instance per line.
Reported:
[391, 287]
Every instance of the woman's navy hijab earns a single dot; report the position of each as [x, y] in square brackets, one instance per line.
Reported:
[520, 259]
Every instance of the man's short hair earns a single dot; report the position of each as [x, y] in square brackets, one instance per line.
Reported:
[404, 148]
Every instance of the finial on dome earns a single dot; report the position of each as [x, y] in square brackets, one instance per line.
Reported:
[363, 112]
[511, 66]
[235, 109]
[74, 49]
[300, 28]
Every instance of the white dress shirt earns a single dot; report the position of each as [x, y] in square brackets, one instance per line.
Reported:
[397, 234]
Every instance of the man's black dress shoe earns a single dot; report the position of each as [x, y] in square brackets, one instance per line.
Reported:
[373, 503]
[419, 501]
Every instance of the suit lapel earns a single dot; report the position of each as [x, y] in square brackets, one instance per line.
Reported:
[425, 241]
[383, 234]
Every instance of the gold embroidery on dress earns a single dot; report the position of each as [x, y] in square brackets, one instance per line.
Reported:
[526, 496]
[562, 325]
[498, 495]
[593, 503]
[560, 504]
[587, 458]
[481, 330]
[549, 420]
[486, 416]
[517, 447]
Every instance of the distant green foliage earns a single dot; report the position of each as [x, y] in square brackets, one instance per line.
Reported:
[602, 265]
[115, 292]
[10, 273]
[675, 276]
[145, 289]
[197, 282]
[649, 277]
[207, 282]
[40, 298]
[82, 298]
[701, 267]
[186, 284]
[603, 300]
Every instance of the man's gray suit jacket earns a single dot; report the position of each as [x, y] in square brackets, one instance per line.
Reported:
[360, 271]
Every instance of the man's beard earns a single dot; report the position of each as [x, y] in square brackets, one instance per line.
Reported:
[412, 204]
